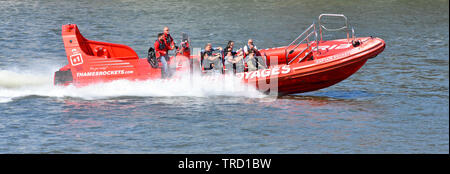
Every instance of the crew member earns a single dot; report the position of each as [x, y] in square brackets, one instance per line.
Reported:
[168, 40]
[161, 53]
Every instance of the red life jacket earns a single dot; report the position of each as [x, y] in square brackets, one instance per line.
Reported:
[160, 48]
[185, 49]
[168, 41]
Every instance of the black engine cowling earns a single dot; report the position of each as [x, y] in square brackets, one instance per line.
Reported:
[63, 77]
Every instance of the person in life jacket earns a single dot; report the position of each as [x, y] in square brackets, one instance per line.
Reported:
[233, 59]
[209, 60]
[251, 60]
[184, 50]
[249, 46]
[161, 53]
[253, 57]
[168, 40]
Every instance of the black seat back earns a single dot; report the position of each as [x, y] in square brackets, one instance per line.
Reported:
[151, 58]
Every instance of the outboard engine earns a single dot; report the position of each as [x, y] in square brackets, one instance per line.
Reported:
[63, 77]
[151, 58]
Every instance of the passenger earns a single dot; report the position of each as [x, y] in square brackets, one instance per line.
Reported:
[249, 47]
[210, 61]
[233, 59]
[252, 57]
[161, 53]
[251, 60]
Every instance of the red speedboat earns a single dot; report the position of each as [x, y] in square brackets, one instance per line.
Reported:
[309, 63]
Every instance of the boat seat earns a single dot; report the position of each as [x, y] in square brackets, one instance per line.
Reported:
[100, 51]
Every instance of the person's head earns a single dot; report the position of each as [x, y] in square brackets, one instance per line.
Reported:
[250, 42]
[160, 36]
[166, 30]
[230, 44]
[208, 46]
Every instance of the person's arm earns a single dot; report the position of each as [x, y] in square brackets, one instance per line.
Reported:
[157, 50]
[230, 59]
[239, 52]
[238, 58]
[212, 58]
[257, 53]
[172, 43]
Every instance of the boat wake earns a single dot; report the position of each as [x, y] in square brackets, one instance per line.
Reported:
[15, 85]
[11, 79]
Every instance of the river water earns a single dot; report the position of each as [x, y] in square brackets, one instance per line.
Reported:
[397, 103]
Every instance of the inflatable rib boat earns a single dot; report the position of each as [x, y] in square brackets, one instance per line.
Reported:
[308, 63]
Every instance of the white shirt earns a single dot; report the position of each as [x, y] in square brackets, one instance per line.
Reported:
[246, 49]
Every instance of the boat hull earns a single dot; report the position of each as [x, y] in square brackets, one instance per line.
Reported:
[326, 69]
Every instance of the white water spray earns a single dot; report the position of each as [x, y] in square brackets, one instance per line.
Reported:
[15, 85]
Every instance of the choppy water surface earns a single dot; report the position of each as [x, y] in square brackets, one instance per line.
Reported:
[397, 103]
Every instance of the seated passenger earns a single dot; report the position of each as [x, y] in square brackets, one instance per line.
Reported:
[251, 61]
[209, 60]
[252, 57]
[249, 46]
[233, 59]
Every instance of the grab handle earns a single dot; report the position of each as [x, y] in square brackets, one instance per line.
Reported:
[335, 29]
